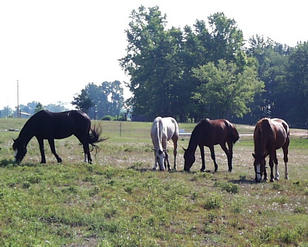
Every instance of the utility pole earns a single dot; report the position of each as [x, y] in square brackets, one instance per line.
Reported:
[18, 110]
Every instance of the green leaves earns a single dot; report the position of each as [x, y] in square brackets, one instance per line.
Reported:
[224, 90]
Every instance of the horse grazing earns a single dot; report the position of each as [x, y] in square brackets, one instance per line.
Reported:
[56, 125]
[209, 133]
[164, 129]
[270, 135]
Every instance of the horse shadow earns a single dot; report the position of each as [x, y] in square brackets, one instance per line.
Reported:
[242, 180]
[12, 163]
[7, 162]
[140, 168]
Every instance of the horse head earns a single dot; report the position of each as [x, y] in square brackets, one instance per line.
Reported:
[20, 150]
[259, 165]
[189, 159]
[160, 156]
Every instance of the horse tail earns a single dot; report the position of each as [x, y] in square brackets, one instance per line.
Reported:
[94, 135]
[160, 133]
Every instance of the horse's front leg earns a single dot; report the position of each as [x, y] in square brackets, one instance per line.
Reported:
[175, 146]
[156, 161]
[213, 157]
[202, 158]
[166, 161]
[41, 144]
[53, 149]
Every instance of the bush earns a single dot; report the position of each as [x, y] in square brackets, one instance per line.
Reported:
[108, 118]
[213, 202]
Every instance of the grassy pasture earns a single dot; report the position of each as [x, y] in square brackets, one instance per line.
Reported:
[120, 201]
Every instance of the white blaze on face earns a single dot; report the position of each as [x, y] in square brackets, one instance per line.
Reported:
[16, 151]
[258, 169]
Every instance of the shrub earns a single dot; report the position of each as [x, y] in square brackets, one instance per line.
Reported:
[229, 187]
[107, 118]
[213, 202]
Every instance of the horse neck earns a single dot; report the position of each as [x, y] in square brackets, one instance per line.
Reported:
[259, 144]
[25, 134]
[193, 142]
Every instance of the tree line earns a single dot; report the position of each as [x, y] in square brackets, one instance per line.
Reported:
[208, 70]
[204, 70]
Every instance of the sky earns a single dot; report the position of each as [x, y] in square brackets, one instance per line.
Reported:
[54, 48]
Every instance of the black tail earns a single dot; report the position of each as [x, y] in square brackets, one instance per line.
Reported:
[94, 135]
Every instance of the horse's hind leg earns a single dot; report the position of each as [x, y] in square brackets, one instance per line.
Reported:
[285, 158]
[271, 164]
[83, 139]
[87, 154]
[53, 149]
[41, 144]
[229, 154]
[276, 167]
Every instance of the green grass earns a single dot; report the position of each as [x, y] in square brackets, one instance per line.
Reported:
[120, 201]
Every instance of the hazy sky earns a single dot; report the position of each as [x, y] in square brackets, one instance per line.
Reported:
[55, 47]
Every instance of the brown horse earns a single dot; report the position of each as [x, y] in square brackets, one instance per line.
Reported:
[270, 135]
[209, 133]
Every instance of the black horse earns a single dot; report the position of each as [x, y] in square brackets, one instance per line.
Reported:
[56, 125]
[209, 133]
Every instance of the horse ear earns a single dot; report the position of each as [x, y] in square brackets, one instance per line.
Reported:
[184, 149]
[253, 155]
[14, 140]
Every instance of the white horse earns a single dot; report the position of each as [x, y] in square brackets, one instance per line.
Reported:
[164, 129]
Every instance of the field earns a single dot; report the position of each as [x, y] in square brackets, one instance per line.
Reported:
[120, 201]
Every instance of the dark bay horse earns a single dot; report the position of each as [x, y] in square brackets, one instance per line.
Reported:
[270, 135]
[56, 125]
[209, 133]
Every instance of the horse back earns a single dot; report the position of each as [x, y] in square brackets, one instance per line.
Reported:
[282, 131]
[164, 128]
[271, 133]
[218, 131]
[59, 125]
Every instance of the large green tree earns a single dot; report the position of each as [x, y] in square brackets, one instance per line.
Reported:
[225, 90]
[295, 87]
[153, 63]
[159, 61]
[272, 60]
